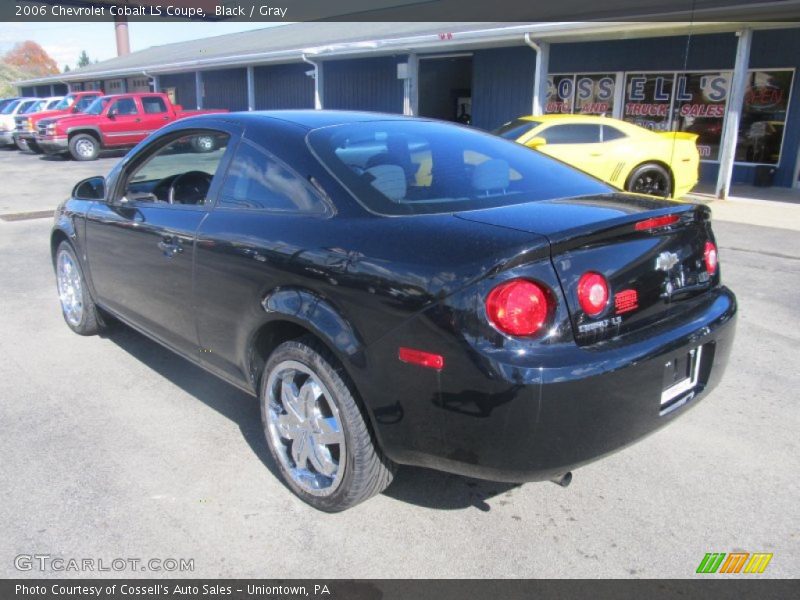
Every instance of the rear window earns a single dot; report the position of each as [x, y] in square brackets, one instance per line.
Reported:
[515, 129]
[423, 167]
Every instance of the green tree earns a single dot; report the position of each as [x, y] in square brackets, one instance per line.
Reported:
[66, 69]
[83, 59]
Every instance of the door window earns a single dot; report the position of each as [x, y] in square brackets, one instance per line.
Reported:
[256, 180]
[153, 105]
[612, 133]
[125, 106]
[180, 172]
[577, 133]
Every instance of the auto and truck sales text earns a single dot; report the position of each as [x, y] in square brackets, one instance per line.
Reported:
[156, 10]
[172, 590]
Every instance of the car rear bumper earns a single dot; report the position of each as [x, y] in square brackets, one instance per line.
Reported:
[52, 144]
[534, 423]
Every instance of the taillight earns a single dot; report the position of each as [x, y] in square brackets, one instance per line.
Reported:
[518, 307]
[656, 222]
[710, 256]
[592, 293]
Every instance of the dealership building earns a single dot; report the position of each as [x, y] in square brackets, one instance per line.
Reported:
[733, 84]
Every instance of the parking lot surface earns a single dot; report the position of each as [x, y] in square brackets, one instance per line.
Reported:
[114, 447]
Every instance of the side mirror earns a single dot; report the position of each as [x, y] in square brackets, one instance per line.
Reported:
[112, 114]
[536, 142]
[93, 188]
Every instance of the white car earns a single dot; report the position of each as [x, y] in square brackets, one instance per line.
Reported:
[7, 123]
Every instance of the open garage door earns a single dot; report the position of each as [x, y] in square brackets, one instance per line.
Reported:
[445, 87]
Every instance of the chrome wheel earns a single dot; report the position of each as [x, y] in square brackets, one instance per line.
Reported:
[305, 428]
[205, 143]
[85, 148]
[70, 290]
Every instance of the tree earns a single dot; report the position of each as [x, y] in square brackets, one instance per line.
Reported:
[31, 58]
[83, 59]
[66, 69]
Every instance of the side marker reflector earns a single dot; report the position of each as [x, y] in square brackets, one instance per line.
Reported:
[423, 359]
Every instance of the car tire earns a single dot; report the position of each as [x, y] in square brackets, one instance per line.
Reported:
[203, 144]
[316, 431]
[21, 145]
[651, 179]
[84, 147]
[34, 147]
[77, 307]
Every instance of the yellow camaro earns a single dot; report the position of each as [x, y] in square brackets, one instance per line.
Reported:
[624, 155]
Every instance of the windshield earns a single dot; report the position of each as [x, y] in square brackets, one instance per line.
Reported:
[513, 130]
[52, 104]
[10, 108]
[65, 103]
[419, 167]
[97, 106]
[28, 105]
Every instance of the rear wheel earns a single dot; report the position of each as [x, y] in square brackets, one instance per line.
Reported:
[77, 307]
[316, 431]
[651, 179]
[84, 147]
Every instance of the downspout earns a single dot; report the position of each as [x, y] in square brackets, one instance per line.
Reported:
[318, 91]
[540, 75]
[154, 79]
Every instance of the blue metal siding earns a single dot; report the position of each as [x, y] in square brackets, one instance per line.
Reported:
[364, 84]
[502, 85]
[283, 86]
[225, 89]
[183, 83]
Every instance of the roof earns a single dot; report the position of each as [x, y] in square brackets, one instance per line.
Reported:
[293, 42]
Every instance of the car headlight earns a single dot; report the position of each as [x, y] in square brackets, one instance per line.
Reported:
[51, 129]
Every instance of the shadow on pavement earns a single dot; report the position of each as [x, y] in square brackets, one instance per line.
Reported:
[423, 487]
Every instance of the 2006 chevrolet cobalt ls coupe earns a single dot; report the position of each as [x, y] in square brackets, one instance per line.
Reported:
[402, 291]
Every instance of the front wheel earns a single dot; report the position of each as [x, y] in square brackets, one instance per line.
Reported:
[84, 147]
[316, 431]
[34, 147]
[77, 306]
[651, 179]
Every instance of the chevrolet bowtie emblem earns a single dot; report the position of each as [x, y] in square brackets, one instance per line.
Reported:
[666, 260]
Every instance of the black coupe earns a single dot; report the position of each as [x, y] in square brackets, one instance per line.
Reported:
[401, 291]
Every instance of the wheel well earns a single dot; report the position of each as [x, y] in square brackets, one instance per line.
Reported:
[653, 162]
[269, 337]
[55, 240]
[90, 132]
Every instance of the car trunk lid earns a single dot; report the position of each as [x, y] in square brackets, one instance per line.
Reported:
[650, 251]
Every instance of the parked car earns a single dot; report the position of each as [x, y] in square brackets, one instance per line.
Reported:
[26, 125]
[111, 122]
[7, 115]
[510, 319]
[41, 105]
[6, 101]
[622, 154]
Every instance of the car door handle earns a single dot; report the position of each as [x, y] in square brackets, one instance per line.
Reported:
[170, 246]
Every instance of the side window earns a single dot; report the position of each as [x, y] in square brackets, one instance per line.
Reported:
[612, 133]
[578, 133]
[256, 180]
[153, 105]
[125, 106]
[179, 172]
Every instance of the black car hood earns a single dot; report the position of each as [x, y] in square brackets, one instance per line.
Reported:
[555, 218]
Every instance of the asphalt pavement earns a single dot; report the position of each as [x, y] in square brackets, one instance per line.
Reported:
[113, 447]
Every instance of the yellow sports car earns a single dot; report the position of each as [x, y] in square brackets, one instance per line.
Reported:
[624, 155]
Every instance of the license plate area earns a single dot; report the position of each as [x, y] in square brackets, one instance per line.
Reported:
[681, 376]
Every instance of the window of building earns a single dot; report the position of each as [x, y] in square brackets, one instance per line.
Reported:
[256, 180]
[761, 126]
[588, 94]
[700, 100]
[648, 97]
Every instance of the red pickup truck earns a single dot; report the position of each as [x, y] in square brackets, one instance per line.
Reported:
[74, 103]
[110, 122]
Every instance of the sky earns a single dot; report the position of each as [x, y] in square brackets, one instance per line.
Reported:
[64, 41]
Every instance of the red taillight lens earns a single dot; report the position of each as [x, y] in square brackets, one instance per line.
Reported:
[518, 307]
[592, 293]
[710, 256]
[656, 222]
